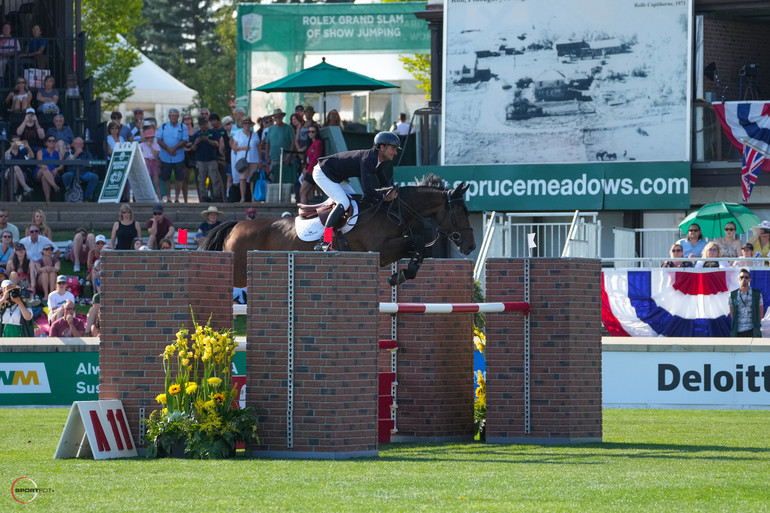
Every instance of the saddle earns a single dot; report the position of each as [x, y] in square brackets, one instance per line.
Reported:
[322, 211]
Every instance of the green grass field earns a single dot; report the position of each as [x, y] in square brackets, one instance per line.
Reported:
[651, 460]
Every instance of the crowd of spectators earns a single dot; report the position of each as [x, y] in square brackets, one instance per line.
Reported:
[730, 250]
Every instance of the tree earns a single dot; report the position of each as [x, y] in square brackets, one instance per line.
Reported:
[109, 58]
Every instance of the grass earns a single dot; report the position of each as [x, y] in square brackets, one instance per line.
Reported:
[651, 460]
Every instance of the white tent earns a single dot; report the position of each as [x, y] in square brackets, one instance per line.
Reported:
[156, 91]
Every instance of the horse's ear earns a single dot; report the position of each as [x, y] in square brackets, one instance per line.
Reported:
[459, 191]
[464, 187]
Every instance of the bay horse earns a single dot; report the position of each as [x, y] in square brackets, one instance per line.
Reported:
[392, 229]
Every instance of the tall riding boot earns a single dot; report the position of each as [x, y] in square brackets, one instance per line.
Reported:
[333, 218]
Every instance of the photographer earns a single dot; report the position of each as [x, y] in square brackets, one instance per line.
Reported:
[14, 312]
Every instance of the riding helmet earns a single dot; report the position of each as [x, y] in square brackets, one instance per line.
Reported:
[387, 138]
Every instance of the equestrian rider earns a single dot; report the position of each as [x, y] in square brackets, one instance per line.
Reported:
[331, 174]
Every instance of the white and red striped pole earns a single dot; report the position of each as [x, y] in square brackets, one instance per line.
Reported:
[446, 308]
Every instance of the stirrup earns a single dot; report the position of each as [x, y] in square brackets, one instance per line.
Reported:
[323, 246]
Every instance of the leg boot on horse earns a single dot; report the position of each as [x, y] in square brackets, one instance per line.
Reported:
[331, 221]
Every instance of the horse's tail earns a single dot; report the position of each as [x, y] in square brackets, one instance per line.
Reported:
[215, 239]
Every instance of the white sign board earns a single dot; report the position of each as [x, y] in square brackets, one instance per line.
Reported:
[98, 429]
[127, 164]
[686, 380]
[566, 81]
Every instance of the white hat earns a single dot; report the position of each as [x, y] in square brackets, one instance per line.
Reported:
[100, 238]
[286, 214]
[764, 225]
[5, 283]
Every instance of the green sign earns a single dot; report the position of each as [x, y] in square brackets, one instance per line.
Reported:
[57, 379]
[116, 177]
[550, 187]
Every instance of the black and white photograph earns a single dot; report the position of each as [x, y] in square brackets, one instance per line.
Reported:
[566, 81]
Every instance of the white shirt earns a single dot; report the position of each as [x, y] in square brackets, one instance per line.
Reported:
[35, 249]
[403, 128]
[55, 300]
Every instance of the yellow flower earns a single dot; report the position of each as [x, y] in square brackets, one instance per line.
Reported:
[165, 411]
[161, 398]
[214, 381]
[191, 388]
[185, 362]
[209, 404]
[219, 398]
[174, 389]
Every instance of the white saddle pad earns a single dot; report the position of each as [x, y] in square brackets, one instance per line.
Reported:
[311, 230]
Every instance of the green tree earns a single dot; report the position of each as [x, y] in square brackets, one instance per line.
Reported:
[110, 58]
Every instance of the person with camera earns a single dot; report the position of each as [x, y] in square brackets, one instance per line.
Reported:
[14, 311]
[31, 131]
[761, 239]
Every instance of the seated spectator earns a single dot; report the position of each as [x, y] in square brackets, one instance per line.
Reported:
[761, 238]
[58, 298]
[63, 134]
[17, 151]
[34, 242]
[159, 227]
[39, 220]
[20, 269]
[30, 131]
[48, 97]
[47, 174]
[676, 252]
[166, 243]
[20, 98]
[747, 251]
[137, 243]
[94, 256]
[694, 243]
[82, 245]
[211, 220]
[83, 172]
[729, 246]
[68, 325]
[711, 251]
[5, 224]
[6, 249]
[94, 317]
[96, 275]
[36, 48]
[47, 269]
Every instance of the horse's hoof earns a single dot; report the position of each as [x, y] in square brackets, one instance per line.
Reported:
[397, 279]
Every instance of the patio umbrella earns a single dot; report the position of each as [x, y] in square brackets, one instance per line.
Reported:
[323, 78]
[713, 217]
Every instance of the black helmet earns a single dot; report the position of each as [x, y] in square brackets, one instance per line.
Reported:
[387, 138]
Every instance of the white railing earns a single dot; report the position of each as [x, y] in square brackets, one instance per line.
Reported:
[630, 243]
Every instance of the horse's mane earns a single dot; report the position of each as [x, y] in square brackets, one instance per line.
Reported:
[433, 181]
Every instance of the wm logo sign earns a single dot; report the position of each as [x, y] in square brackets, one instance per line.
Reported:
[24, 378]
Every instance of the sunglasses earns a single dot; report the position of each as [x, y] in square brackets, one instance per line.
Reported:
[157, 213]
[6, 236]
[47, 249]
[34, 231]
[676, 250]
[745, 277]
[729, 229]
[693, 231]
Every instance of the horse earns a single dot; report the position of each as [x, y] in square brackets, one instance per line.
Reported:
[393, 229]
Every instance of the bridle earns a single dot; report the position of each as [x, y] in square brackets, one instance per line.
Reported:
[455, 236]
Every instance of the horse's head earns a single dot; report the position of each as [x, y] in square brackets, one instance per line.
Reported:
[458, 226]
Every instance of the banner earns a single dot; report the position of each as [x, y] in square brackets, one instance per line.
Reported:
[528, 82]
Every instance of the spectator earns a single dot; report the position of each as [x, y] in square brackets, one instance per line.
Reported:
[137, 243]
[746, 309]
[239, 113]
[711, 251]
[14, 311]
[6, 249]
[299, 146]
[333, 119]
[694, 243]
[165, 244]
[241, 144]
[20, 98]
[6, 225]
[222, 155]
[94, 317]
[747, 252]
[48, 97]
[113, 137]
[124, 131]
[205, 113]
[125, 229]
[82, 244]
[18, 150]
[210, 220]
[47, 174]
[39, 219]
[206, 147]
[96, 275]
[314, 151]
[402, 127]
[95, 255]
[150, 152]
[227, 126]
[729, 246]
[159, 227]
[20, 269]
[190, 162]
[31, 131]
[36, 49]
[251, 213]
[68, 325]
[34, 242]
[82, 172]
[172, 137]
[761, 238]
[137, 126]
[47, 269]
[63, 134]
[9, 51]
[279, 136]
[58, 298]
[676, 251]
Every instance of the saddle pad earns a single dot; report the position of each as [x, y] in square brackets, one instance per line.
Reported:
[311, 230]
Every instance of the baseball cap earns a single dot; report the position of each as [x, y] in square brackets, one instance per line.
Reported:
[61, 279]
[138, 109]
[97, 298]
[5, 283]
[100, 238]
[30, 110]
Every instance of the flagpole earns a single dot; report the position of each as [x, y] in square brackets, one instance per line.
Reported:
[753, 147]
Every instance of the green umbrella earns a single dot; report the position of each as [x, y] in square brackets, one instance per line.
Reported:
[321, 78]
[713, 217]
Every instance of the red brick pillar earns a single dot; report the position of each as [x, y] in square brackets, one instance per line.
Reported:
[565, 352]
[334, 353]
[146, 298]
[435, 356]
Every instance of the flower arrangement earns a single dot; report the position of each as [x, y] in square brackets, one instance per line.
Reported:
[480, 403]
[197, 401]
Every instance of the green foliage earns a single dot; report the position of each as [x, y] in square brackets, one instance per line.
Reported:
[108, 58]
[419, 67]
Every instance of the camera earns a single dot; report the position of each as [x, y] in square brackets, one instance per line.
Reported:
[15, 293]
[748, 70]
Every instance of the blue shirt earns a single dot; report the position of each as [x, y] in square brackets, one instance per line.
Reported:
[171, 135]
[65, 134]
[689, 249]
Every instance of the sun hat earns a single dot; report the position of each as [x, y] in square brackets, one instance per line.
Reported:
[61, 279]
[211, 210]
[278, 112]
[764, 225]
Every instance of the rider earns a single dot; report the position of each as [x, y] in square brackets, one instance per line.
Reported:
[332, 172]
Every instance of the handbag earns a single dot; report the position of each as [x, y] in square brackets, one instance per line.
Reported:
[260, 187]
[74, 193]
[241, 165]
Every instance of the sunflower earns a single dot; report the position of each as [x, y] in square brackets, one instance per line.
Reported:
[174, 389]
[218, 398]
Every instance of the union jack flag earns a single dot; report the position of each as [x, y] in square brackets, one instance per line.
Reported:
[752, 161]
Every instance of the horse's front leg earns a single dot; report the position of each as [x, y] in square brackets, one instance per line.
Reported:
[415, 248]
